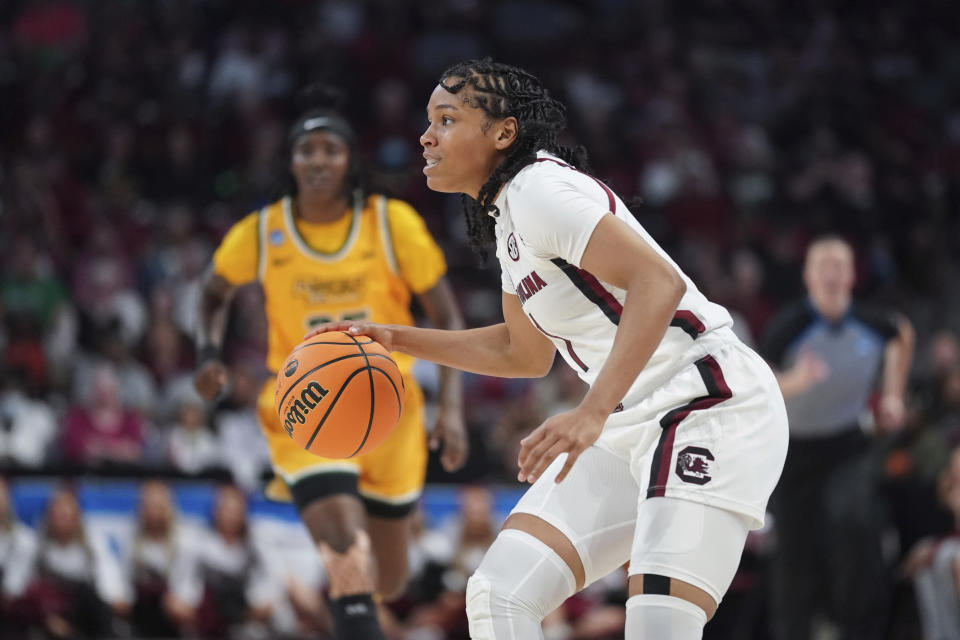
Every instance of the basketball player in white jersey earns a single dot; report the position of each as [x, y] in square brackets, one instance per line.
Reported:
[669, 460]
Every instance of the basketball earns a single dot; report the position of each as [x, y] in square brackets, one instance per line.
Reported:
[339, 395]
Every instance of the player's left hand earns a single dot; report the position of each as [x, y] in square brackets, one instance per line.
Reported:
[570, 432]
[450, 431]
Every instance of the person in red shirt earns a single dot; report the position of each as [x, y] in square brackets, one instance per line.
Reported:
[103, 430]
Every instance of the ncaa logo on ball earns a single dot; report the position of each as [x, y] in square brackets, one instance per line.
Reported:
[291, 368]
[512, 248]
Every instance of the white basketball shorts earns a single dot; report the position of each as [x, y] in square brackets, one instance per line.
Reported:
[715, 434]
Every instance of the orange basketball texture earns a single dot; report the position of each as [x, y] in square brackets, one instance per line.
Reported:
[339, 395]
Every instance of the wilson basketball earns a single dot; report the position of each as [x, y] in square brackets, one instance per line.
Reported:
[339, 395]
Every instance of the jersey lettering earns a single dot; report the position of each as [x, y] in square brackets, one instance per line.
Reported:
[317, 291]
[529, 285]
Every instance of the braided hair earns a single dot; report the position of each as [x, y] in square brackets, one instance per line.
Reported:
[502, 91]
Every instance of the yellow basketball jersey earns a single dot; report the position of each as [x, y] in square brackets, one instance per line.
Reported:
[385, 254]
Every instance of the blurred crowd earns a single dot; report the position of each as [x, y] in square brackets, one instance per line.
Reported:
[59, 582]
[225, 574]
[135, 133]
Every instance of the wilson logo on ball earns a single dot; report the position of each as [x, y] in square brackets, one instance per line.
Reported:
[345, 397]
[291, 367]
[309, 398]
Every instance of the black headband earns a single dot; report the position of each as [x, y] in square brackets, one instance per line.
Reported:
[320, 121]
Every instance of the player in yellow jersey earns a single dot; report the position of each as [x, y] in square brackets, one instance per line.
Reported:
[327, 251]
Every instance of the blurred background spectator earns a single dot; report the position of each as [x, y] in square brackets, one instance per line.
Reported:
[934, 564]
[102, 431]
[135, 134]
[221, 585]
[75, 586]
[17, 551]
[156, 547]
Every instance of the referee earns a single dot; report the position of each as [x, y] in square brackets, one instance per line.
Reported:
[831, 356]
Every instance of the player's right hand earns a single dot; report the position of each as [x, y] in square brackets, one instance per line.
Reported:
[382, 333]
[210, 379]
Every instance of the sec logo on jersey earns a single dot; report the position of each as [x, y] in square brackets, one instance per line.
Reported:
[512, 249]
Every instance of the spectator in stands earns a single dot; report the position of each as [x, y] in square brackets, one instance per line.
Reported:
[17, 549]
[935, 566]
[192, 447]
[24, 352]
[168, 356]
[238, 430]
[221, 586]
[103, 431]
[103, 292]
[559, 391]
[516, 417]
[477, 530]
[429, 554]
[58, 27]
[597, 612]
[948, 420]
[136, 387]
[310, 612]
[156, 546]
[453, 552]
[77, 586]
[27, 422]
[30, 288]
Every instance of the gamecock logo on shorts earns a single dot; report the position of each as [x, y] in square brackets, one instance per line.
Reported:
[693, 465]
[512, 248]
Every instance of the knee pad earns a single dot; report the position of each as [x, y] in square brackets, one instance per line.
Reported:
[519, 581]
[663, 618]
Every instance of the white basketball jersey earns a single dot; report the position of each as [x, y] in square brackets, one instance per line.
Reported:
[547, 214]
